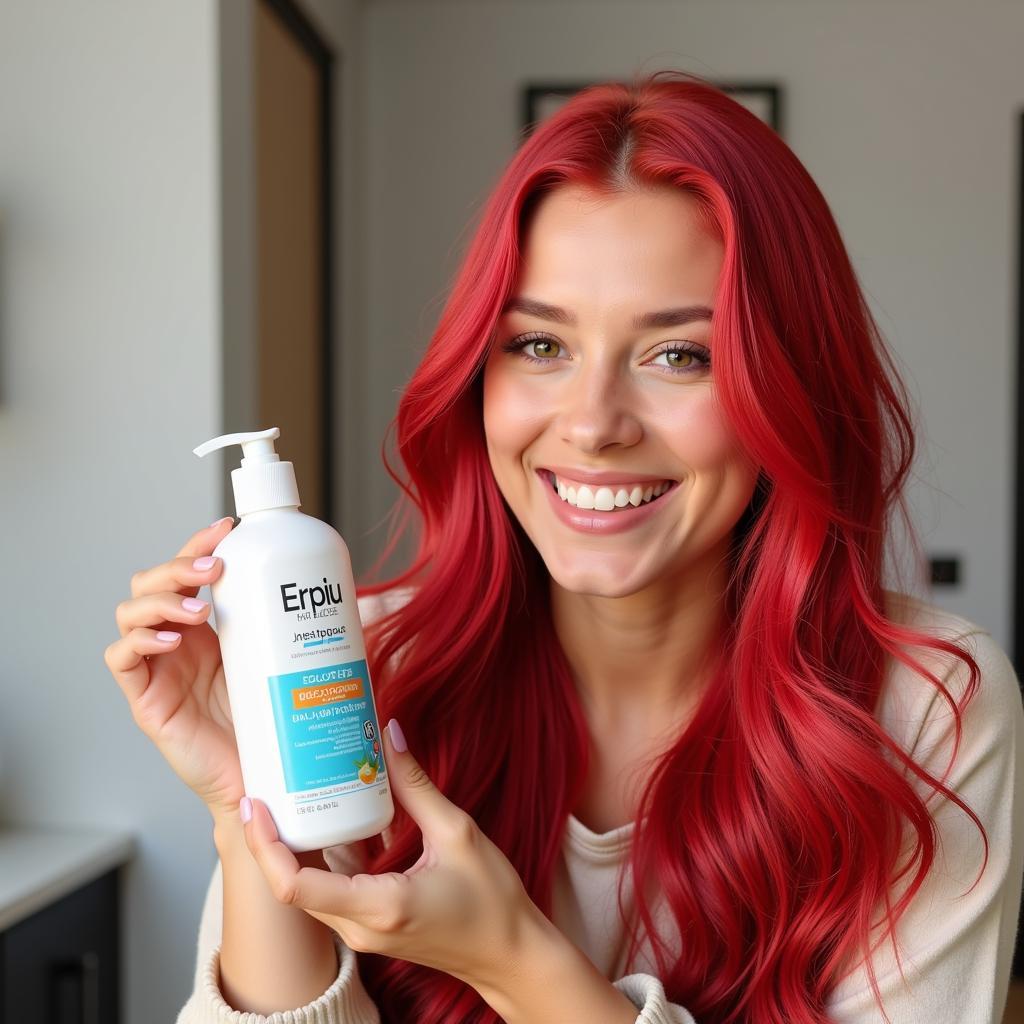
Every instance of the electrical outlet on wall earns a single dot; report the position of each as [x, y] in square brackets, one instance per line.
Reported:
[945, 570]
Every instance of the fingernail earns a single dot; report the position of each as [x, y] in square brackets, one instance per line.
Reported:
[192, 604]
[223, 519]
[397, 736]
[245, 809]
[204, 563]
[167, 637]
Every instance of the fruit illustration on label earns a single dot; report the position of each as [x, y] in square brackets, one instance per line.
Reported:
[368, 768]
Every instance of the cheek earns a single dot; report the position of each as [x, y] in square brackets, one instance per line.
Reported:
[696, 431]
[514, 414]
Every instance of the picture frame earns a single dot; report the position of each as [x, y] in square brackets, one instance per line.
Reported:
[765, 99]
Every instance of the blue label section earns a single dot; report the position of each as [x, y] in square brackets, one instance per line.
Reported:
[329, 640]
[326, 727]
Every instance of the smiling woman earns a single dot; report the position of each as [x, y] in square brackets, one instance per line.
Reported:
[645, 650]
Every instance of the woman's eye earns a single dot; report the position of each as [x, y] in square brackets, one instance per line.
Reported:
[688, 359]
[546, 349]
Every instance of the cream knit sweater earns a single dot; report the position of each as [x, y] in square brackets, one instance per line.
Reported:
[956, 950]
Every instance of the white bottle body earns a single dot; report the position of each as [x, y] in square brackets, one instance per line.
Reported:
[295, 663]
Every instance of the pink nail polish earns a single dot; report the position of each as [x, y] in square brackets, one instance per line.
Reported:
[397, 736]
[245, 809]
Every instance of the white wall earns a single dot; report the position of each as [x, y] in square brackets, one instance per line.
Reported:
[109, 338]
[904, 111]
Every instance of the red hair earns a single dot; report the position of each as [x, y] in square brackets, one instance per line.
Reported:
[773, 826]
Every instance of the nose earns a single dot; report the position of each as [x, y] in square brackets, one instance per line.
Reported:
[597, 412]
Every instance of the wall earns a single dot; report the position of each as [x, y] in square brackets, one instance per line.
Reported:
[109, 340]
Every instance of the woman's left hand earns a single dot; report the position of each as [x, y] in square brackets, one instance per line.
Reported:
[461, 908]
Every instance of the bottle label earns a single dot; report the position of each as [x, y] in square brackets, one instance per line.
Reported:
[327, 728]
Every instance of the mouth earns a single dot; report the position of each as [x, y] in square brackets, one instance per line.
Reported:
[614, 498]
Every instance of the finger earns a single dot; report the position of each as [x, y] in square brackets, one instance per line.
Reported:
[126, 658]
[436, 815]
[311, 888]
[155, 609]
[203, 541]
[179, 573]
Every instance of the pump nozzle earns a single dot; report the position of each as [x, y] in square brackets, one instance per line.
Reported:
[257, 445]
[262, 481]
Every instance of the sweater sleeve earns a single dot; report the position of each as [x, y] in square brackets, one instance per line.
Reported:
[647, 994]
[345, 1001]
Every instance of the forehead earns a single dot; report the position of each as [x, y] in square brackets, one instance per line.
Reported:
[629, 250]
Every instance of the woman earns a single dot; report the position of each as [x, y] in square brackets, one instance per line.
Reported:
[645, 636]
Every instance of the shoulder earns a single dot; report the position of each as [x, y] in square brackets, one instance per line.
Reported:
[915, 611]
[911, 707]
[374, 606]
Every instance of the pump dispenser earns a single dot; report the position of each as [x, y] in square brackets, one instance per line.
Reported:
[294, 659]
[263, 480]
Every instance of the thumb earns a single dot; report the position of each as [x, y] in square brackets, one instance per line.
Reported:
[426, 804]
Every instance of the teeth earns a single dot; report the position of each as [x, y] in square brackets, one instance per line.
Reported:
[605, 499]
[584, 497]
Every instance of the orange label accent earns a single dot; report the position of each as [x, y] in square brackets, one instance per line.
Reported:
[311, 696]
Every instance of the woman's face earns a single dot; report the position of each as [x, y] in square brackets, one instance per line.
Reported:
[610, 408]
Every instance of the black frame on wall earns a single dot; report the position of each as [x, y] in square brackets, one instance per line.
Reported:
[306, 34]
[768, 94]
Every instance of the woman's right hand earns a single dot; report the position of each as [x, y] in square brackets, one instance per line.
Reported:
[175, 687]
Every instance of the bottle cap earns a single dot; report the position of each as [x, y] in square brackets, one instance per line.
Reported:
[262, 481]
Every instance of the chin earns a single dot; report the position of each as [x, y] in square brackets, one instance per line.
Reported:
[597, 577]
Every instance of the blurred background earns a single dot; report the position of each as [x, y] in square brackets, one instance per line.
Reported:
[227, 216]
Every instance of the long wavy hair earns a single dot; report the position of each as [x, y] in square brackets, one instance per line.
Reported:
[773, 827]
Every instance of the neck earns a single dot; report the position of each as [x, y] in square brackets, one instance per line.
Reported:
[645, 656]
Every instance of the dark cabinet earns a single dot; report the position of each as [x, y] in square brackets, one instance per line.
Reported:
[60, 965]
[60, 909]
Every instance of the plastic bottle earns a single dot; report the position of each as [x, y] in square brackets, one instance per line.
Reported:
[294, 659]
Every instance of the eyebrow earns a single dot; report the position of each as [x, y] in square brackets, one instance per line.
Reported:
[678, 317]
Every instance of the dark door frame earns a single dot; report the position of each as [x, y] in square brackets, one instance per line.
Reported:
[1017, 627]
[302, 29]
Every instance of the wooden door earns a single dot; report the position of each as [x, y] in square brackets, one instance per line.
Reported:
[292, 142]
